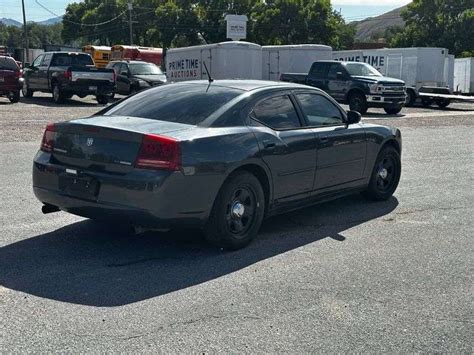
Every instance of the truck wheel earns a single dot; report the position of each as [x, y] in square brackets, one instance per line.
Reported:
[102, 99]
[426, 101]
[385, 175]
[357, 102]
[410, 99]
[443, 102]
[14, 96]
[393, 110]
[26, 91]
[57, 94]
[237, 213]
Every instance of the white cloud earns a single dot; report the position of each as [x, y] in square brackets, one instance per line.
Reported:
[371, 2]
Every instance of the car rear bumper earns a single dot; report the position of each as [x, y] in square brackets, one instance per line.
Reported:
[148, 198]
[6, 89]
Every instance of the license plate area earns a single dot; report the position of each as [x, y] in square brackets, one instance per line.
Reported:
[83, 187]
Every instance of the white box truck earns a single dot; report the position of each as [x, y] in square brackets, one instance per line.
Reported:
[464, 75]
[225, 60]
[291, 59]
[419, 67]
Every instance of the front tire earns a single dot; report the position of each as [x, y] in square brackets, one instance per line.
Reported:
[14, 96]
[237, 213]
[393, 110]
[385, 175]
[357, 102]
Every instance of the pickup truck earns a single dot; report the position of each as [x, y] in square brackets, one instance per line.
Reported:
[65, 74]
[357, 84]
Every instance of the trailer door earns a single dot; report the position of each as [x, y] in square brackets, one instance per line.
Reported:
[394, 66]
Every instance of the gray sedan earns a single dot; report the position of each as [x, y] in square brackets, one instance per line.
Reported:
[219, 156]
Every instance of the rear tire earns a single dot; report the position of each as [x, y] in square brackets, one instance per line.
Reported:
[102, 99]
[26, 91]
[14, 96]
[237, 213]
[393, 110]
[58, 96]
[357, 102]
[385, 175]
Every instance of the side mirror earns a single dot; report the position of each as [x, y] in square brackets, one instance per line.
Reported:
[353, 117]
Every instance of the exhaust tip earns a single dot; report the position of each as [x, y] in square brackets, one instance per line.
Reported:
[49, 209]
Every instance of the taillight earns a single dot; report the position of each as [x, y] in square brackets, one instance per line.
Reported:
[159, 152]
[18, 74]
[68, 74]
[114, 76]
[47, 143]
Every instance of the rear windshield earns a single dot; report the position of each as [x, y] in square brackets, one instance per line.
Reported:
[144, 69]
[7, 63]
[181, 103]
[67, 59]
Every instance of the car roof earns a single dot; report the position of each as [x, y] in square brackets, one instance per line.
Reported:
[247, 85]
[130, 61]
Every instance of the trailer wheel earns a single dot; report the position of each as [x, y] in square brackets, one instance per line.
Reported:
[443, 102]
[426, 101]
[411, 98]
[102, 99]
[393, 110]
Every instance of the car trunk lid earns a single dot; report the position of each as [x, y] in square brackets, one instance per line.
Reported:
[106, 143]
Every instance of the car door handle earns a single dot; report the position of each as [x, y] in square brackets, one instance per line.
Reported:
[323, 139]
[269, 145]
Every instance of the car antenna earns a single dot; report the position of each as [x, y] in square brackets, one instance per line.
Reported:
[208, 74]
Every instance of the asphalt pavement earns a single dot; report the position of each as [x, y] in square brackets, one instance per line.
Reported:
[345, 276]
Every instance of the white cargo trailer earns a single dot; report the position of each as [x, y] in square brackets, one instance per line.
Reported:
[291, 59]
[464, 75]
[418, 67]
[225, 60]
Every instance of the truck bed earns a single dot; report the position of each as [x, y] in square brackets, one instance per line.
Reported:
[298, 78]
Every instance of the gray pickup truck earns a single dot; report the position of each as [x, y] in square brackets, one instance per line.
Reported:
[65, 74]
[357, 84]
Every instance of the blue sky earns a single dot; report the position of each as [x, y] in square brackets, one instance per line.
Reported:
[350, 9]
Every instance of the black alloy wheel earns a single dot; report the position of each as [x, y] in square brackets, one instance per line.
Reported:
[14, 96]
[237, 213]
[385, 175]
[357, 102]
[240, 211]
[26, 91]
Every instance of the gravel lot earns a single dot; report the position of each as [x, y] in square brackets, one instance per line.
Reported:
[345, 276]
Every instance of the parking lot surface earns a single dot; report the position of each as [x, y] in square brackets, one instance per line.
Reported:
[344, 276]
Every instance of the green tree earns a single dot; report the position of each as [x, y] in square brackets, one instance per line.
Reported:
[438, 23]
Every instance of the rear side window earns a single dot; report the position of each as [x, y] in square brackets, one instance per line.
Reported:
[277, 113]
[47, 59]
[319, 70]
[66, 59]
[182, 103]
[319, 110]
[7, 63]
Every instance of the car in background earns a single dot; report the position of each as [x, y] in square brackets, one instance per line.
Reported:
[11, 80]
[133, 75]
[218, 155]
[65, 74]
[358, 84]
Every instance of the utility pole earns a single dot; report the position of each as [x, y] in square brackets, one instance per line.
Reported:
[130, 8]
[25, 35]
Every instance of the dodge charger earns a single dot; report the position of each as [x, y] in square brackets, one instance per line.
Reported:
[220, 156]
